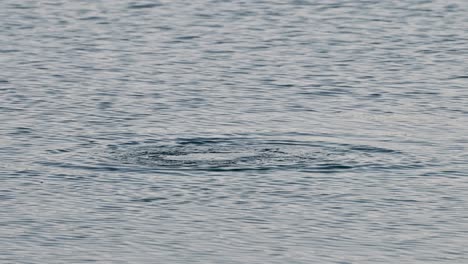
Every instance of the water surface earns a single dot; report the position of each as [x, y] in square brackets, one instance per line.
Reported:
[233, 131]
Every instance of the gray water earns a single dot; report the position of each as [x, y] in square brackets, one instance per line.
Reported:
[206, 131]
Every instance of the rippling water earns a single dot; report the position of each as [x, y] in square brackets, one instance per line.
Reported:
[214, 131]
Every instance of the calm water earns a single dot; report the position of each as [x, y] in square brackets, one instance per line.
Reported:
[305, 131]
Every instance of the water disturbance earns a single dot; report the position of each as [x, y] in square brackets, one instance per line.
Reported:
[232, 154]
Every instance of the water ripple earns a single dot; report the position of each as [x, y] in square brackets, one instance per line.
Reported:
[237, 154]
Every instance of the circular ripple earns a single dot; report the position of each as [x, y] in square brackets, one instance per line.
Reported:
[251, 154]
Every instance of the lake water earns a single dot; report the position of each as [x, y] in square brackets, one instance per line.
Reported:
[209, 131]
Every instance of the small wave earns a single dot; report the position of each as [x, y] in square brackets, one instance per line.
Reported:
[143, 5]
